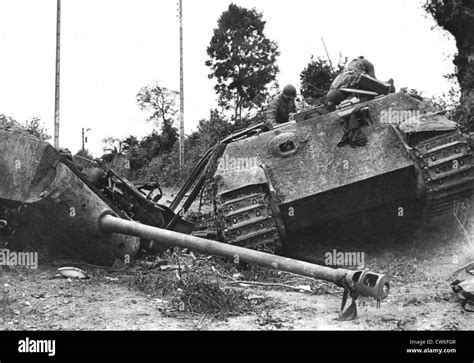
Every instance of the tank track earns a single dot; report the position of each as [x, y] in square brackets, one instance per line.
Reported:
[447, 167]
[248, 219]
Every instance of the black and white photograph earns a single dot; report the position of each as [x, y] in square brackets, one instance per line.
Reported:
[237, 165]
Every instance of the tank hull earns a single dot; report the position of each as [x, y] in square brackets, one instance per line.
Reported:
[312, 182]
[46, 203]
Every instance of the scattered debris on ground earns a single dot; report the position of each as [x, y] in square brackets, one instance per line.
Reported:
[191, 291]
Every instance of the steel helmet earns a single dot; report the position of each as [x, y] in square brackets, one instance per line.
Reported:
[335, 96]
[289, 91]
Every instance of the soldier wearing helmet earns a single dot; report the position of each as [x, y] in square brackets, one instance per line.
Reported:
[351, 72]
[281, 106]
[349, 77]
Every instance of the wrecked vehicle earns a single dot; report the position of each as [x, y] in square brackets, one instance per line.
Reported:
[46, 199]
[91, 212]
[465, 292]
[415, 169]
[464, 289]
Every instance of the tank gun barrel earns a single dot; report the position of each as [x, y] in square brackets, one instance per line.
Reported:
[363, 283]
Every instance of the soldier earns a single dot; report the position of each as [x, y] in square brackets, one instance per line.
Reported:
[349, 77]
[352, 71]
[281, 106]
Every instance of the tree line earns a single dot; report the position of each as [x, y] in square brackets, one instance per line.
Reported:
[243, 63]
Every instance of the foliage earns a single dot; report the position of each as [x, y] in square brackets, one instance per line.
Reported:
[35, 127]
[164, 167]
[318, 75]
[162, 103]
[148, 162]
[203, 295]
[86, 154]
[456, 16]
[210, 131]
[9, 122]
[139, 153]
[155, 151]
[449, 101]
[112, 145]
[32, 126]
[195, 292]
[449, 14]
[242, 60]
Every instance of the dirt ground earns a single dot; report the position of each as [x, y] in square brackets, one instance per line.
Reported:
[420, 299]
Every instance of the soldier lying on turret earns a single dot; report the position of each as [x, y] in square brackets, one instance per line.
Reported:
[351, 78]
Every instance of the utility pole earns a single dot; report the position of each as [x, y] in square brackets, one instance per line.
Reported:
[181, 90]
[57, 81]
[84, 140]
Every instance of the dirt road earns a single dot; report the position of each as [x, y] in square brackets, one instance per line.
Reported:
[420, 298]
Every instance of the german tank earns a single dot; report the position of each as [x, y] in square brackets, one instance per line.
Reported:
[87, 211]
[414, 170]
[51, 199]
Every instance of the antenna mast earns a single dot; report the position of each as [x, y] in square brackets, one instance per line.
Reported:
[327, 54]
[57, 80]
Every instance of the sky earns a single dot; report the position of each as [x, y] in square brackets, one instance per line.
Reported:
[112, 48]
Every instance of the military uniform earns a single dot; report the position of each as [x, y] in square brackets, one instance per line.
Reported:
[279, 109]
[349, 76]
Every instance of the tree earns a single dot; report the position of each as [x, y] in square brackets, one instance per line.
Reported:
[317, 77]
[162, 103]
[457, 17]
[151, 144]
[138, 155]
[242, 60]
[214, 129]
[86, 154]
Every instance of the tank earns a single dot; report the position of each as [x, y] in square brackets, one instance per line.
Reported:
[415, 171]
[51, 201]
[83, 210]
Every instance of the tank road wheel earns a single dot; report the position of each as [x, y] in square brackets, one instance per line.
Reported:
[248, 219]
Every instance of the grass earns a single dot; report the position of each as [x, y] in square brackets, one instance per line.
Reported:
[196, 292]
[155, 282]
[201, 295]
